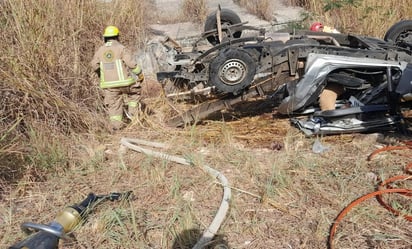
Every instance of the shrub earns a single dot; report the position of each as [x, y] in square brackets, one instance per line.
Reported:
[195, 10]
[46, 48]
[264, 9]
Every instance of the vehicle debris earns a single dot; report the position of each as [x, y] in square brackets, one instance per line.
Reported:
[232, 64]
[318, 147]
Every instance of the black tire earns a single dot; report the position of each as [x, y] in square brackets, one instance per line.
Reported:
[232, 71]
[400, 32]
[227, 17]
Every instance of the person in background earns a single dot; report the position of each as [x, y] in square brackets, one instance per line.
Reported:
[329, 95]
[119, 75]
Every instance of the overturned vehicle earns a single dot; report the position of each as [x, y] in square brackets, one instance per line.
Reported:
[290, 69]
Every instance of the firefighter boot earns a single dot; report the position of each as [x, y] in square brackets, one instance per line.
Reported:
[116, 123]
[133, 110]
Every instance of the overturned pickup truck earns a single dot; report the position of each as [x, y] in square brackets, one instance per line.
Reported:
[291, 69]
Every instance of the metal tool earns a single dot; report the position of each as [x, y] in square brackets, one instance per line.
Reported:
[48, 236]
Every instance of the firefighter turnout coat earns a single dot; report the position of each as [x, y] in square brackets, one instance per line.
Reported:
[114, 62]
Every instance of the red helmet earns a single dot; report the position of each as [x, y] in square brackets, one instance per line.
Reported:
[317, 26]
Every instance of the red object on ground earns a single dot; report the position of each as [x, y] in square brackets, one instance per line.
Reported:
[316, 26]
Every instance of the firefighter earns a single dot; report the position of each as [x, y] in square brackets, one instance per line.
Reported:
[120, 75]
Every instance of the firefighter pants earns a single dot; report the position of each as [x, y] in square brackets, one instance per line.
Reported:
[114, 102]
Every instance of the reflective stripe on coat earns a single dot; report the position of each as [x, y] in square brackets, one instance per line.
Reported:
[114, 62]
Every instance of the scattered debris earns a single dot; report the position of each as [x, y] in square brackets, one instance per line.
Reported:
[276, 145]
[318, 147]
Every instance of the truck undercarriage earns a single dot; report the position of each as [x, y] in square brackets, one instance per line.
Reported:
[289, 69]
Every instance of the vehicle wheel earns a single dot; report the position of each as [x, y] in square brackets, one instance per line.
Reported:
[400, 32]
[232, 71]
[227, 17]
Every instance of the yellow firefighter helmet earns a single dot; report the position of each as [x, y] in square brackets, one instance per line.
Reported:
[111, 31]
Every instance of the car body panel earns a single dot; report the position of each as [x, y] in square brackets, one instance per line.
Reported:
[318, 67]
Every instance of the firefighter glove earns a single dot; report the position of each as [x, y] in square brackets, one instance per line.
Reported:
[140, 77]
[137, 70]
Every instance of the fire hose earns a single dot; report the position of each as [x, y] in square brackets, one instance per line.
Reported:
[383, 188]
[210, 232]
[48, 236]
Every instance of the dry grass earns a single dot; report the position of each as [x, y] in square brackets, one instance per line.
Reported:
[281, 199]
[48, 86]
[52, 124]
[263, 9]
[194, 10]
[367, 17]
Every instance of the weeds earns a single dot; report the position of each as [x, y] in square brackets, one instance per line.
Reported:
[47, 46]
[261, 8]
[194, 10]
[47, 154]
[276, 195]
[366, 17]
[10, 153]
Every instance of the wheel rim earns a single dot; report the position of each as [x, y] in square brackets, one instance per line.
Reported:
[225, 34]
[233, 72]
[405, 37]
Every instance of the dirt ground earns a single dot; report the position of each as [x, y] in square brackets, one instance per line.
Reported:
[283, 194]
